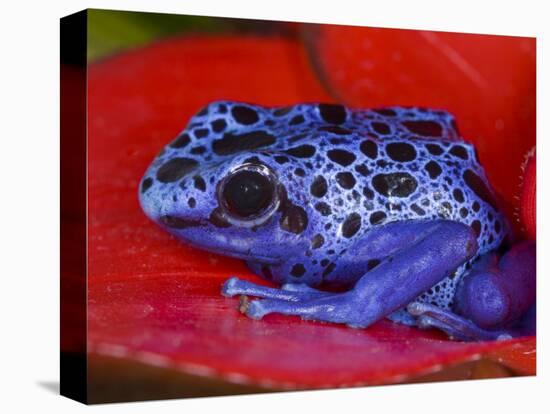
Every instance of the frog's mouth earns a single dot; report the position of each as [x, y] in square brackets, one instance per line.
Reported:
[192, 232]
[248, 256]
[174, 222]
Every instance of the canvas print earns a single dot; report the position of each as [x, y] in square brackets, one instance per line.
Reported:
[257, 206]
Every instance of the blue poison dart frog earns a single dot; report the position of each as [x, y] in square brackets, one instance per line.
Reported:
[356, 214]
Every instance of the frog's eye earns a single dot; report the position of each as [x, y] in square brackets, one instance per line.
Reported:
[248, 193]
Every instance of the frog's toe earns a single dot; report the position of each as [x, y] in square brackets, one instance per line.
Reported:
[455, 326]
[253, 309]
[335, 308]
[289, 292]
[427, 322]
[257, 309]
[235, 287]
[301, 287]
[230, 287]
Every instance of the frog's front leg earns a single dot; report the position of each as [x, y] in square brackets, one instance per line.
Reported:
[495, 300]
[429, 252]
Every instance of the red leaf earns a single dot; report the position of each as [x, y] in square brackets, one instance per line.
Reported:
[521, 357]
[154, 300]
[181, 321]
[529, 196]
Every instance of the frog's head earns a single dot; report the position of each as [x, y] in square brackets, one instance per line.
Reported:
[238, 207]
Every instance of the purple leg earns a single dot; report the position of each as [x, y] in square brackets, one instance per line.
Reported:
[492, 301]
[437, 248]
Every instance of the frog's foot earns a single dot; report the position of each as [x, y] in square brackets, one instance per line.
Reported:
[455, 326]
[289, 291]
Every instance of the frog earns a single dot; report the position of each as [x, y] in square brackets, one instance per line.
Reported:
[351, 215]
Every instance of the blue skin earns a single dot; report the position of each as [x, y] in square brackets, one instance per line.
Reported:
[357, 214]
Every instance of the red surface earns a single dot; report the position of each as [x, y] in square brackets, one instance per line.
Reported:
[520, 357]
[487, 82]
[529, 196]
[155, 300]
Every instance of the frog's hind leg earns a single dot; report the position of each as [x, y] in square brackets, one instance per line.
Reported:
[495, 300]
[437, 248]
[289, 291]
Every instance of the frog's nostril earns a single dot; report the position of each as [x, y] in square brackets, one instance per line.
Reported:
[146, 184]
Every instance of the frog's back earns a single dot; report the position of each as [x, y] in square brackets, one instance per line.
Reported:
[226, 128]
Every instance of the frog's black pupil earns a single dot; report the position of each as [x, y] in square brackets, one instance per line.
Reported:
[247, 193]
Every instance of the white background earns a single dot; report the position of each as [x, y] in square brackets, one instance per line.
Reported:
[29, 206]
